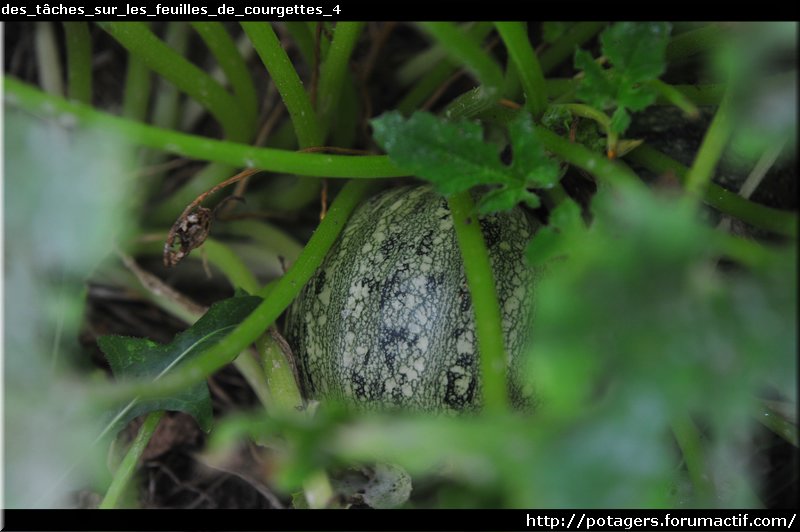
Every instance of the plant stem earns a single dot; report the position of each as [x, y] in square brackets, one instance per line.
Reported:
[771, 418]
[334, 70]
[693, 42]
[79, 61]
[421, 64]
[273, 305]
[232, 63]
[136, 97]
[283, 74]
[48, 66]
[690, 442]
[266, 236]
[716, 138]
[674, 96]
[284, 395]
[488, 321]
[515, 37]
[600, 117]
[730, 203]
[127, 468]
[303, 39]
[470, 54]
[565, 46]
[582, 157]
[202, 148]
[438, 74]
[139, 40]
[231, 265]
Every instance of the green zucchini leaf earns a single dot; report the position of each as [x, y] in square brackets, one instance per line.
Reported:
[454, 156]
[636, 50]
[138, 358]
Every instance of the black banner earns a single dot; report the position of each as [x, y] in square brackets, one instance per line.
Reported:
[495, 520]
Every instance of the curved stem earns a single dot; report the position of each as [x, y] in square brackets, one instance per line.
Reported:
[438, 74]
[139, 40]
[283, 74]
[515, 37]
[231, 265]
[690, 442]
[488, 321]
[231, 62]
[676, 97]
[600, 117]
[79, 61]
[277, 298]
[302, 38]
[777, 221]
[586, 159]
[334, 70]
[202, 148]
[693, 42]
[716, 138]
[137, 89]
[127, 468]
[565, 46]
[470, 54]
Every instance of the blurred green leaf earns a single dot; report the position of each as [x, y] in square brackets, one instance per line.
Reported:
[138, 358]
[758, 61]
[552, 240]
[69, 197]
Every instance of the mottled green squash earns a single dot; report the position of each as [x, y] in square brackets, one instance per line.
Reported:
[387, 320]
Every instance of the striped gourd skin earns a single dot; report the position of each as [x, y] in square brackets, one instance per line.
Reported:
[387, 320]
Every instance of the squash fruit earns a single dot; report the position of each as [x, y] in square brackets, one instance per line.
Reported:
[387, 320]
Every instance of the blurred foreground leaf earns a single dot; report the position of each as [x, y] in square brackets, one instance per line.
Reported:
[68, 202]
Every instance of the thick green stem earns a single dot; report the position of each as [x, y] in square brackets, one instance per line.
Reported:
[488, 321]
[240, 155]
[334, 69]
[283, 74]
[284, 395]
[470, 54]
[127, 468]
[515, 37]
[714, 142]
[582, 157]
[276, 301]
[139, 40]
[224, 48]
[79, 61]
